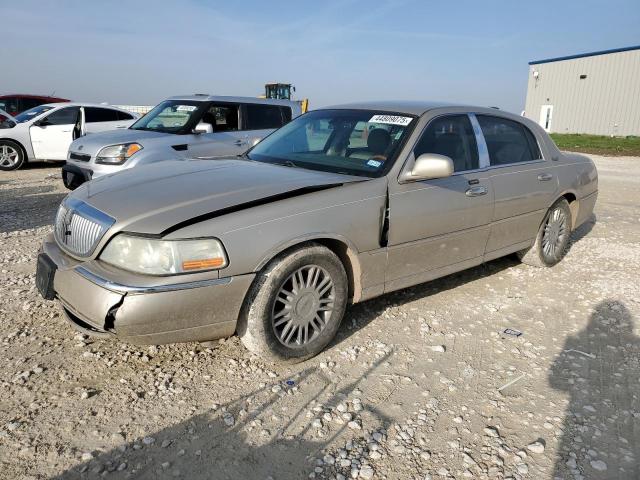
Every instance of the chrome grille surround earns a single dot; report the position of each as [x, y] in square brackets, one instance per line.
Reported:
[79, 227]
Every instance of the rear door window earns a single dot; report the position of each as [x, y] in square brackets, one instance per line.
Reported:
[262, 117]
[508, 141]
[64, 116]
[452, 136]
[97, 115]
[124, 116]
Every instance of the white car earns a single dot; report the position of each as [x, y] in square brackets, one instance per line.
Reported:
[45, 132]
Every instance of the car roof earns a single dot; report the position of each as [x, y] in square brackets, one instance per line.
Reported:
[28, 95]
[231, 99]
[410, 107]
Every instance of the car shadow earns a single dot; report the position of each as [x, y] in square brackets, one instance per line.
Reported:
[583, 230]
[360, 315]
[599, 369]
[43, 165]
[28, 207]
[233, 440]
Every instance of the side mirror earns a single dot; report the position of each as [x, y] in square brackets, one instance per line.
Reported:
[428, 166]
[203, 128]
[42, 123]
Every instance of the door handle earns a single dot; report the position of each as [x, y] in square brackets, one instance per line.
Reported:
[545, 177]
[476, 191]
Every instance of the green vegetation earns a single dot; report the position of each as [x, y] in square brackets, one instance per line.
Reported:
[599, 145]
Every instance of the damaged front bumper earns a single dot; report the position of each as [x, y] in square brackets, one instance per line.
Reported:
[150, 310]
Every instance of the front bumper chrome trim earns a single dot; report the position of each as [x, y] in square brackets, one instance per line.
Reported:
[124, 289]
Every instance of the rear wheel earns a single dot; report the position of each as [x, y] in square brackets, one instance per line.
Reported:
[295, 306]
[11, 155]
[553, 236]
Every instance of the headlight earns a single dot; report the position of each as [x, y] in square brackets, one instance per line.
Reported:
[117, 154]
[164, 257]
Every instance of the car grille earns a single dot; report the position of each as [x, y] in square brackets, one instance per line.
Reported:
[82, 157]
[79, 227]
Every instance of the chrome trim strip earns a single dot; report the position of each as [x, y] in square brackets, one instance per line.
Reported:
[90, 212]
[124, 289]
[483, 151]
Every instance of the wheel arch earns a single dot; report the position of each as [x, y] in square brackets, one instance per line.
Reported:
[342, 247]
[22, 147]
[574, 205]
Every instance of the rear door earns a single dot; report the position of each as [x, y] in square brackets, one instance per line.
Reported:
[524, 182]
[261, 120]
[441, 225]
[52, 134]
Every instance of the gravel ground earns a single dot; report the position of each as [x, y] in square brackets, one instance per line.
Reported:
[419, 384]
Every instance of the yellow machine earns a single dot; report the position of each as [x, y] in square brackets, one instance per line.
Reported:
[283, 91]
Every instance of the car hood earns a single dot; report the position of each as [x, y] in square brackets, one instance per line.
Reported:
[153, 199]
[92, 143]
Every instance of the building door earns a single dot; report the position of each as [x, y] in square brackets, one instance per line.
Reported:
[546, 114]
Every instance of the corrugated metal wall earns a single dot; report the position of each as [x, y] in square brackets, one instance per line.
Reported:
[607, 102]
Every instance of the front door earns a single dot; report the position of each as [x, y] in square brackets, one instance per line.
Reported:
[226, 140]
[441, 225]
[52, 134]
[546, 114]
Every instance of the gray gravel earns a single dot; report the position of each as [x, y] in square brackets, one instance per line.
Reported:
[413, 388]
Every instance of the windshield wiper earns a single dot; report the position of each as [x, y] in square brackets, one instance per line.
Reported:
[288, 163]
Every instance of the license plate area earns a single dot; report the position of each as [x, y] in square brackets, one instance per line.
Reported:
[45, 273]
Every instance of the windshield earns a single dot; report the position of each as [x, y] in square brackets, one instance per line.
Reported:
[32, 113]
[353, 142]
[171, 116]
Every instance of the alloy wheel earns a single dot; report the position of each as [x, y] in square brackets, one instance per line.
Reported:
[303, 306]
[8, 156]
[555, 234]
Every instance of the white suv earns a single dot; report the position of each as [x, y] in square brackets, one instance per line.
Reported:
[178, 128]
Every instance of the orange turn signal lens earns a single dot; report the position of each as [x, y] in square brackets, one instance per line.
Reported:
[133, 148]
[202, 264]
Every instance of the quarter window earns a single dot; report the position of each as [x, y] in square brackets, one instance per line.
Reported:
[260, 117]
[453, 137]
[508, 141]
[96, 115]
[64, 116]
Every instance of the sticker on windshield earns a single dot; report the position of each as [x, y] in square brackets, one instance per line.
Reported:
[391, 120]
[185, 108]
[374, 163]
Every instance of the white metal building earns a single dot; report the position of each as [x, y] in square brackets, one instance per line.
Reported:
[596, 93]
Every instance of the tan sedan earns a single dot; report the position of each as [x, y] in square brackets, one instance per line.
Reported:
[338, 206]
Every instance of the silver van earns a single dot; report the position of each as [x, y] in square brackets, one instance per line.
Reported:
[179, 127]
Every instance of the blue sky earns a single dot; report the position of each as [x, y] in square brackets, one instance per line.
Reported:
[139, 52]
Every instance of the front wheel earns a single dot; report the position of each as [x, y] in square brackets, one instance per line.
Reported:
[11, 155]
[295, 306]
[552, 240]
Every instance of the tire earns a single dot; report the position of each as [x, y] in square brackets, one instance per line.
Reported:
[552, 240]
[270, 315]
[11, 155]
